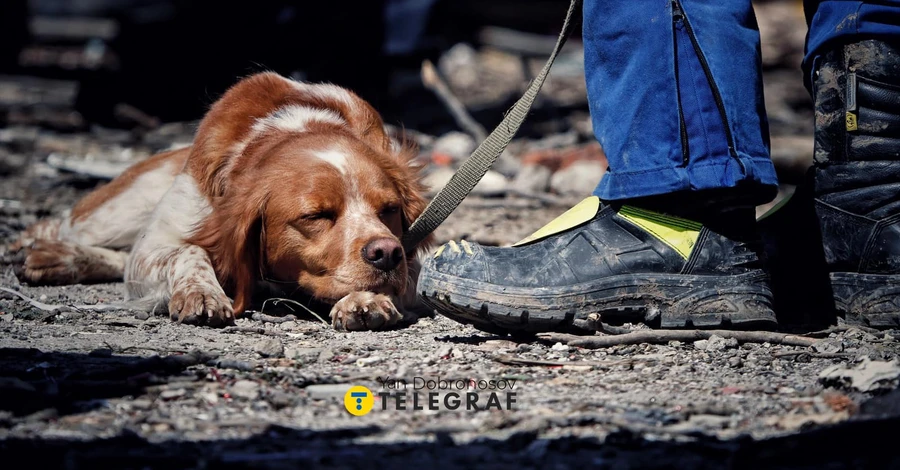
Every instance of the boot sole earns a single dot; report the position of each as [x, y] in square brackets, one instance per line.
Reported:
[660, 301]
[867, 299]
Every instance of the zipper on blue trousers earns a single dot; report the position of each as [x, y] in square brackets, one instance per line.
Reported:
[682, 27]
[678, 19]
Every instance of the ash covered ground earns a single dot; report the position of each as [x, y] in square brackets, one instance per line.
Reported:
[81, 388]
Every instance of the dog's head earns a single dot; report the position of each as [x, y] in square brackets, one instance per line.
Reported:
[336, 228]
[324, 208]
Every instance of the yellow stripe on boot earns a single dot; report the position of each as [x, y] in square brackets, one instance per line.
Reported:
[680, 234]
[580, 214]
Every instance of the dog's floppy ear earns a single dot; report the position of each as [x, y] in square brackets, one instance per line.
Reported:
[409, 184]
[232, 237]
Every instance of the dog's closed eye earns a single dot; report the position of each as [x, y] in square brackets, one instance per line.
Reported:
[323, 215]
[389, 210]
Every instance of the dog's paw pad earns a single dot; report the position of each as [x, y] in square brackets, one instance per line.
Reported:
[52, 262]
[201, 305]
[360, 311]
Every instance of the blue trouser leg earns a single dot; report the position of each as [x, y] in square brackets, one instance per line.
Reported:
[675, 96]
[835, 22]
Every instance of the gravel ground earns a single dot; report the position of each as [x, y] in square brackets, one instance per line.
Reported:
[80, 388]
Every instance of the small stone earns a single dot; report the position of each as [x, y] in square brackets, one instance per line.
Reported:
[304, 355]
[270, 347]
[326, 355]
[141, 315]
[260, 406]
[532, 179]
[701, 344]
[209, 397]
[559, 347]
[172, 394]
[460, 63]
[327, 391]
[246, 389]
[828, 345]
[456, 145]
[492, 184]
[718, 343]
[438, 178]
[280, 399]
[579, 178]
[141, 404]
[367, 361]
[735, 362]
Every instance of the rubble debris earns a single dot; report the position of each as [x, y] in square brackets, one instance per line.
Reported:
[867, 376]
[432, 80]
[270, 347]
[664, 336]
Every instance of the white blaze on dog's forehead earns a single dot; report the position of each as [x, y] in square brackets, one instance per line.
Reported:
[296, 118]
[333, 157]
[325, 91]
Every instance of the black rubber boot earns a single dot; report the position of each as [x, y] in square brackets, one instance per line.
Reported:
[622, 264]
[857, 178]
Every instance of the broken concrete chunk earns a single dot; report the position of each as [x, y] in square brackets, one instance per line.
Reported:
[828, 345]
[867, 376]
[246, 389]
[270, 347]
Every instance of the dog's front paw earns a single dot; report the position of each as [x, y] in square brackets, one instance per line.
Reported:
[364, 311]
[201, 304]
[52, 262]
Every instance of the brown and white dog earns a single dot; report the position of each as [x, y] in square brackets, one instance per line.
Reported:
[288, 182]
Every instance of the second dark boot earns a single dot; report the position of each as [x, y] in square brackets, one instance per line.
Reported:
[857, 178]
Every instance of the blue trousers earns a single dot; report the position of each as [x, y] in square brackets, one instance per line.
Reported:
[675, 88]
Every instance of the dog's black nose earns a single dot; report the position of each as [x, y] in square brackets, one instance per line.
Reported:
[384, 253]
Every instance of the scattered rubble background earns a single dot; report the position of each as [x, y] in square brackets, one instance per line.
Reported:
[82, 389]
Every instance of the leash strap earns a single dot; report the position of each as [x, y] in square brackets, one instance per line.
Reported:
[474, 168]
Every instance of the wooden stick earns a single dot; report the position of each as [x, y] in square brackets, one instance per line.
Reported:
[518, 361]
[812, 354]
[842, 328]
[262, 317]
[432, 80]
[664, 336]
